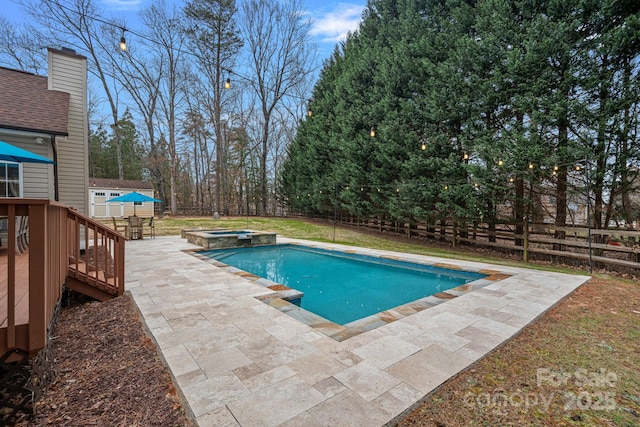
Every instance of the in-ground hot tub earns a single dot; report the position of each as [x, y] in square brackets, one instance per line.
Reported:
[219, 238]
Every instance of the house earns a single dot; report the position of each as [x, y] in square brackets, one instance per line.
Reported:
[102, 190]
[47, 115]
[50, 241]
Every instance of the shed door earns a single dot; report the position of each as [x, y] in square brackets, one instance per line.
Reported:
[100, 208]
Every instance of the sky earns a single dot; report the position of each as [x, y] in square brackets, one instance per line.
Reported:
[330, 20]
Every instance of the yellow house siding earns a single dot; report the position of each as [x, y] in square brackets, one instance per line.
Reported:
[68, 73]
[37, 178]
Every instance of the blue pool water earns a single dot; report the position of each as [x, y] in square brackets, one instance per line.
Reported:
[343, 287]
[228, 232]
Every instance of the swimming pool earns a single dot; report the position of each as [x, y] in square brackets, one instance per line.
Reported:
[343, 287]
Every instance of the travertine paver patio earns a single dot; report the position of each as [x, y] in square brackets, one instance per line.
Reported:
[237, 361]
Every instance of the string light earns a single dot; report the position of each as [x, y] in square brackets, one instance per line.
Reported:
[372, 132]
[511, 178]
[465, 156]
[123, 42]
[500, 162]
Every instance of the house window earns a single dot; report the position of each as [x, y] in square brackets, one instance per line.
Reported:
[10, 180]
[101, 194]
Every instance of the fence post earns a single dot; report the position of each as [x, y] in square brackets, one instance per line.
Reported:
[455, 232]
[525, 238]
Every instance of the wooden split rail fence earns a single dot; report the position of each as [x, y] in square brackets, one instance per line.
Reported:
[611, 249]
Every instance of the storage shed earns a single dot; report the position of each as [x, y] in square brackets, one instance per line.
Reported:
[101, 190]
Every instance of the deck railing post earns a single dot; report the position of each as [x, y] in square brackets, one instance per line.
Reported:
[11, 277]
[38, 279]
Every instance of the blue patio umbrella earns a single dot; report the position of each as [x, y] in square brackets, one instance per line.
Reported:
[12, 153]
[134, 197]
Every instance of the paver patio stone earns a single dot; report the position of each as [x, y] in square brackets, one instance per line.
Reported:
[304, 419]
[210, 394]
[367, 380]
[180, 360]
[347, 409]
[386, 351]
[316, 367]
[221, 361]
[239, 361]
[219, 417]
[268, 378]
[276, 404]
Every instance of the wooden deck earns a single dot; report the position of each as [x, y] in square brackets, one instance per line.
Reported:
[22, 288]
[31, 281]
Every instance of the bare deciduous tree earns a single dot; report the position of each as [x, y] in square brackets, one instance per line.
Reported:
[21, 48]
[280, 59]
[74, 24]
[211, 27]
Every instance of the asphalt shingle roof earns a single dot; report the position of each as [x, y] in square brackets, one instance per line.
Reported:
[27, 104]
[116, 183]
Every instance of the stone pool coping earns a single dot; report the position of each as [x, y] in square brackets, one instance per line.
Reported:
[236, 361]
[282, 295]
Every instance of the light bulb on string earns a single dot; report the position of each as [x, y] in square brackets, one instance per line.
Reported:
[123, 42]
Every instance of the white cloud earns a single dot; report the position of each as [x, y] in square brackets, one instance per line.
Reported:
[333, 26]
[122, 4]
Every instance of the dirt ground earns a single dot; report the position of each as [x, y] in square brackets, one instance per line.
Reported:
[109, 373]
[578, 365]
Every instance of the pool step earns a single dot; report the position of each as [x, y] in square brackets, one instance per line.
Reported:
[288, 294]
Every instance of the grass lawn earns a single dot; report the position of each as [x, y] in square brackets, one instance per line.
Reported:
[578, 365]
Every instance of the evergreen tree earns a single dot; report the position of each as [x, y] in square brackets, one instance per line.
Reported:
[476, 105]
